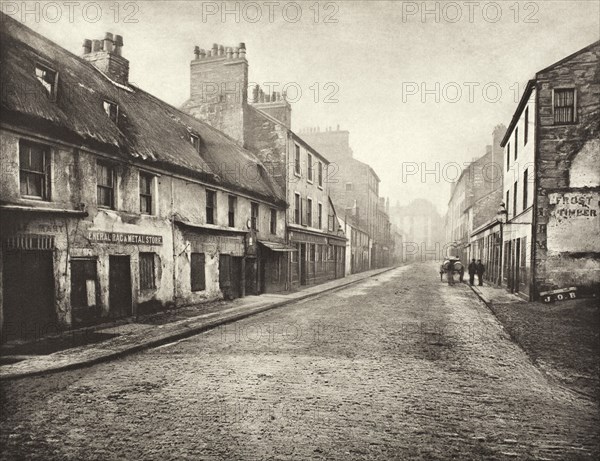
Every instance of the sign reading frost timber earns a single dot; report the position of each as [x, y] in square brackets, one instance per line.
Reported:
[120, 237]
[574, 213]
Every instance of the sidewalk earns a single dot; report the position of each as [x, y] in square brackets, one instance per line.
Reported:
[562, 338]
[135, 336]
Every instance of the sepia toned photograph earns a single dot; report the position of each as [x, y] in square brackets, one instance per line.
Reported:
[299, 230]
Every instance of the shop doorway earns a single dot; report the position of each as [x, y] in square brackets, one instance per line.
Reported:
[85, 309]
[119, 274]
[230, 276]
[303, 264]
[28, 290]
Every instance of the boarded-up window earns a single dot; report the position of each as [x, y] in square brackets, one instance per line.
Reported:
[211, 204]
[197, 272]
[254, 215]
[147, 281]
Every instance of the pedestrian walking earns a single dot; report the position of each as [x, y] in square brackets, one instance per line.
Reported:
[480, 271]
[472, 271]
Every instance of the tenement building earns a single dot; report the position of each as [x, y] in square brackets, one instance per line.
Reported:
[315, 250]
[113, 202]
[355, 189]
[551, 238]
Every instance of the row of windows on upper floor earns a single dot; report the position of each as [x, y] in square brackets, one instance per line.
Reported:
[564, 109]
[311, 165]
[512, 208]
[34, 178]
[303, 213]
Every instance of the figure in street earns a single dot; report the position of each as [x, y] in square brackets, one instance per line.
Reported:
[480, 271]
[472, 271]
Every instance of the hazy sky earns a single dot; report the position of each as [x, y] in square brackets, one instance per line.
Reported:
[369, 60]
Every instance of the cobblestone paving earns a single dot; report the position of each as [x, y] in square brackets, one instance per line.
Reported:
[398, 367]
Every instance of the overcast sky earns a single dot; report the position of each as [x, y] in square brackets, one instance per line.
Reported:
[376, 56]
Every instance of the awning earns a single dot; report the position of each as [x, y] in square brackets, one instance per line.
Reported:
[274, 246]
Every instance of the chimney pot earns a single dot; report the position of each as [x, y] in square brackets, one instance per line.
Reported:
[118, 40]
[242, 46]
[197, 52]
[221, 50]
[236, 53]
[87, 46]
[202, 53]
[108, 36]
[229, 52]
[96, 45]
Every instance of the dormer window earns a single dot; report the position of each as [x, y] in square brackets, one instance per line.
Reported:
[112, 110]
[195, 140]
[47, 78]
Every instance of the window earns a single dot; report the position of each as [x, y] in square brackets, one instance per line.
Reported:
[211, 204]
[232, 200]
[195, 140]
[309, 212]
[348, 186]
[330, 223]
[147, 271]
[112, 110]
[105, 178]
[296, 253]
[297, 208]
[197, 277]
[516, 142]
[526, 127]
[254, 215]
[564, 106]
[34, 170]
[297, 160]
[309, 166]
[507, 203]
[320, 174]
[146, 181]
[320, 216]
[507, 158]
[312, 252]
[525, 179]
[515, 198]
[273, 223]
[47, 78]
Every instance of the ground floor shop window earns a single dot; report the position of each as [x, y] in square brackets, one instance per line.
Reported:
[197, 275]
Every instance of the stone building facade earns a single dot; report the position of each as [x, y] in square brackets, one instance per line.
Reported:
[315, 250]
[552, 238]
[112, 202]
[355, 188]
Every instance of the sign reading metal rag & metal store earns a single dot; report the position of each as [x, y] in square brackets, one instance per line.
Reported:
[120, 237]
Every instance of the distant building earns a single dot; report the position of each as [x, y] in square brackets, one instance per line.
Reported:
[421, 228]
[551, 191]
[474, 200]
[354, 185]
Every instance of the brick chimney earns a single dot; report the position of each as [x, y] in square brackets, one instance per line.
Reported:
[106, 56]
[275, 105]
[219, 88]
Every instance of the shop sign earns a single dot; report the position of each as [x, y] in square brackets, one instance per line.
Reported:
[120, 237]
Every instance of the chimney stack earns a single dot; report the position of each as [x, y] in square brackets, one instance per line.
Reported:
[106, 56]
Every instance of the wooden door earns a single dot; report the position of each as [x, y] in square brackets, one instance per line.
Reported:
[119, 274]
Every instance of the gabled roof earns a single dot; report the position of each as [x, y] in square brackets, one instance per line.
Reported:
[531, 85]
[149, 130]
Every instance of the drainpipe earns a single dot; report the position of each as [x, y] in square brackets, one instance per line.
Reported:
[174, 265]
[534, 220]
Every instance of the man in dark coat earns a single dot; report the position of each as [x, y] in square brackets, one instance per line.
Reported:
[472, 271]
[480, 271]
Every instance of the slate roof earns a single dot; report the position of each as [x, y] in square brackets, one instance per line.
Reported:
[149, 130]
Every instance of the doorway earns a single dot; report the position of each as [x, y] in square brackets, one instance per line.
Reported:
[119, 274]
[303, 264]
[28, 288]
[85, 308]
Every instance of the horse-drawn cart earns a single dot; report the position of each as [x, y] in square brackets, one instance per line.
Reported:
[450, 267]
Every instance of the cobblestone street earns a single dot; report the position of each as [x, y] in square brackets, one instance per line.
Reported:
[400, 366]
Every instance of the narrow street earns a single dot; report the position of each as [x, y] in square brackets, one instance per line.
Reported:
[400, 366]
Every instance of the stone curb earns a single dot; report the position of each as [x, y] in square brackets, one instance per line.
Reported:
[181, 330]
